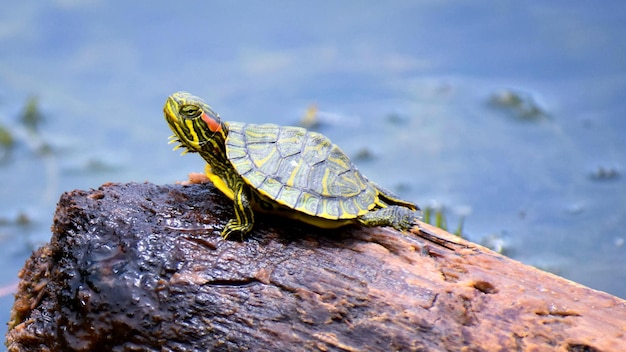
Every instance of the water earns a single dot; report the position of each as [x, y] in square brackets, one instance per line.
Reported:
[510, 114]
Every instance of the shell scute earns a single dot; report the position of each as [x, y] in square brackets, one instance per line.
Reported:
[308, 204]
[272, 187]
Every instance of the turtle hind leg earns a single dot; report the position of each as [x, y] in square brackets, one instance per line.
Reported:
[399, 217]
[244, 217]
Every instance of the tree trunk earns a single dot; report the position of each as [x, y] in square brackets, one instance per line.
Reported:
[140, 267]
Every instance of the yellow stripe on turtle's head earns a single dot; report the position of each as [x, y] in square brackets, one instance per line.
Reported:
[195, 125]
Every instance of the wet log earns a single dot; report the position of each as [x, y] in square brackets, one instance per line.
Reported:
[141, 267]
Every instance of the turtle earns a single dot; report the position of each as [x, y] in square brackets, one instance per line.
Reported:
[283, 170]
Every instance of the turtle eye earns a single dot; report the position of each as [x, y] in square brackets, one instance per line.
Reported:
[190, 111]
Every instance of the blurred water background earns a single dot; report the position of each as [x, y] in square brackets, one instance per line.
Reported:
[509, 115]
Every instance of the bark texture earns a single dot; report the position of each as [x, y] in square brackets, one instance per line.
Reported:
[141, 267]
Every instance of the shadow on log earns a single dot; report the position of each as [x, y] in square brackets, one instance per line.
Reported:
[140, 267]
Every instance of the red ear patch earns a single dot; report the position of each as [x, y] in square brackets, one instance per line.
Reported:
[213, 124]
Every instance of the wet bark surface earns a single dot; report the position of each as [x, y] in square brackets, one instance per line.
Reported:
[141, 267]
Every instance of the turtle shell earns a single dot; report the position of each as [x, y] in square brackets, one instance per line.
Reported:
[299, 169]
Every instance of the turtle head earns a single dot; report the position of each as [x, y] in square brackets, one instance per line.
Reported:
[195, 125]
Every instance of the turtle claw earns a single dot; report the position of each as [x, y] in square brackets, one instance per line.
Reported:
[405, 221]
[233, 227]
[399, 217]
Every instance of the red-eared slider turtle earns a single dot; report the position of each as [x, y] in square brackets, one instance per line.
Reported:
[279, 169]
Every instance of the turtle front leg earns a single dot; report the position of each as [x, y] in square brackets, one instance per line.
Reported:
[244, 217]
[399, 217]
